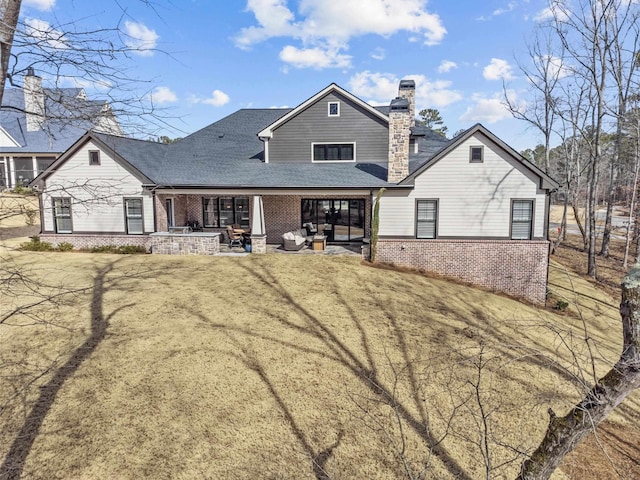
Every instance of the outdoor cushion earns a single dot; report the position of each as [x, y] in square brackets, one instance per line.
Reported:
[288, 236]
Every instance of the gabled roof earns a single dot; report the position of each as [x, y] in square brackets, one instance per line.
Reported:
[125, 151]
[68, 117]
[546, 182]
[333, 88]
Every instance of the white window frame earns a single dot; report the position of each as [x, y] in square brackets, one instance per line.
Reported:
[329, 114]
[435, 202]
[128, 216]
[57, 215]
[530, 221]
[313, 144]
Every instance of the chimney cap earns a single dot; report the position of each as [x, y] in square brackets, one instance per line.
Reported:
[399, 104]
[30, 72]
[407, 84]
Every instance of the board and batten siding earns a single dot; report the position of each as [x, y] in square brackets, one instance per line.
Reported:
[291, 142]
[97, 193]
[474, 199]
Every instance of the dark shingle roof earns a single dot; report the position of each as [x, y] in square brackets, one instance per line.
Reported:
[228, 153]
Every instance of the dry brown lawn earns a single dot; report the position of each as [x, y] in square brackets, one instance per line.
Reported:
[285, 366]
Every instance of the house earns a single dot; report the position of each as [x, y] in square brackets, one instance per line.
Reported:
[37, 124]
[470, 208]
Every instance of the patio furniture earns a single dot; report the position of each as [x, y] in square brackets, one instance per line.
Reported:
[292, 241]
[195, 226]
[235, 239]
[319, 242]
[311, 230]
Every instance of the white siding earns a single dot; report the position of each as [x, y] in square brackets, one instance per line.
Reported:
[97, 193]
[474, 199]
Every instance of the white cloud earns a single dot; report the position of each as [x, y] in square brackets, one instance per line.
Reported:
[557, 10]
[218, 98]
[446, 66]
[43, 32]
[381, 88]
[313, 58]
[378, 54]
[497, 69]
[500, 11]
[486, 109]
[141, 38]
[163, 95]
[42, 5]
[330, 24]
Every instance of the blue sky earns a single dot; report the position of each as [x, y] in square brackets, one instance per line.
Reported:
[206, 59]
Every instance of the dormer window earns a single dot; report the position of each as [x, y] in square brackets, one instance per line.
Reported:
[334, 109]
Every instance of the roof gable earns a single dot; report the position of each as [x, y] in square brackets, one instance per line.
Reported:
[545, 181]
[333, 88]
[107, 143]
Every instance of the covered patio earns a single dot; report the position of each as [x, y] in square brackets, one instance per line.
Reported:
[342, 216]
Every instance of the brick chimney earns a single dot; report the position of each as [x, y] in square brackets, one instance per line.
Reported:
[401, 119]
[33, 100]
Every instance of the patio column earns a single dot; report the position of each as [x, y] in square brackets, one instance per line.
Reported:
[258, 230]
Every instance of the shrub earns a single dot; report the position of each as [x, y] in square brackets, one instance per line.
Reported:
[562, 305]
[35, 245]
[65, 247]
[123, 250]
[131, 249]
[22, 190]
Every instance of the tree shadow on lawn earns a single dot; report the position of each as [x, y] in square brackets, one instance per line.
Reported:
[319, 459]
[365, 370]
[13, 465]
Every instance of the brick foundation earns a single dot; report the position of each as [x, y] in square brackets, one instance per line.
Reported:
[518, 268]
[79, 240]
[195, 243]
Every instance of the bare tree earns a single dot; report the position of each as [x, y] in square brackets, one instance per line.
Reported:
[623, 66]
[564, 433]
[70, 53]
[9, 11]
[542, 75]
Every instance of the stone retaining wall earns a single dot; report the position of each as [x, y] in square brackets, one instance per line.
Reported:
[196, 243]
[518, 268]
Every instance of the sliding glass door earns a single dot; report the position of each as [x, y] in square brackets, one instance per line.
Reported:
[342, 220]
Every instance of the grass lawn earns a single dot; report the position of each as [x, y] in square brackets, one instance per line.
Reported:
[280, 366]
[291, 367]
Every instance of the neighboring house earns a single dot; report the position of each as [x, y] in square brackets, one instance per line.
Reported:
[470, 208]
[37, 124]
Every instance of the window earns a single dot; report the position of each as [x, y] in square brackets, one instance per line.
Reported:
[43, 163]
[476, 154]
[23, 169]
[133, 215]
[334, 152]
[521, 219]
[333, 109]
[427, 218]
[225, 211]
[94, 157]
[62, 214]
